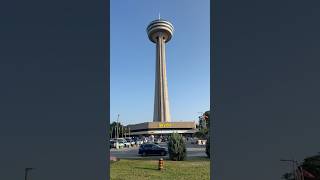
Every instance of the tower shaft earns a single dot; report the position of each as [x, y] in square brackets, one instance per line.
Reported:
[161, 100]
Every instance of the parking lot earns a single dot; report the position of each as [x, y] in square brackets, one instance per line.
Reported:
[193, 150]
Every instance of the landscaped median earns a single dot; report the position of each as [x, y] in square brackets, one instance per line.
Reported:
[144, 169]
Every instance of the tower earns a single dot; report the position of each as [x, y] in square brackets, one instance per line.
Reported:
[160, 32]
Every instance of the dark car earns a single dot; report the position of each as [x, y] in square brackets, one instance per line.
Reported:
[152, 149]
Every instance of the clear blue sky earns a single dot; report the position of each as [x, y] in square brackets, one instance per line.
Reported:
[133, 59]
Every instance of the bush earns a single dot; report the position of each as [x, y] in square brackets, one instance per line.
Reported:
[200, 134]
[208, 147]
[176, 147]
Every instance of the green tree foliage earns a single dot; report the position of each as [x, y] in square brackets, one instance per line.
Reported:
[311, 165]
[201, 134]
[116, 128]
[207, 118]
[176, 147]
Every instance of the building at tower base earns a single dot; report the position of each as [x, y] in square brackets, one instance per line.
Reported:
[186, 128]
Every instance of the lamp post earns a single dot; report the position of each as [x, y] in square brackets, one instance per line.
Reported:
[117, 126]
[122, 131]
[111, 131]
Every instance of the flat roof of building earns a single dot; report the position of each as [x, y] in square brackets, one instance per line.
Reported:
[163, 132]
[162, 125]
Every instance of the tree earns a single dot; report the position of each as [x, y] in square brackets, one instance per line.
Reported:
[177, 147]
[208, 147]
[116, 129]
[310, 169]
[312, 166]
[204, 129]
[206, 116]
[202, 133]
[202, 123]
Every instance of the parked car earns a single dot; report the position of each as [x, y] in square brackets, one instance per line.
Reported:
[152, 149]
[131, 141]
[139, 141]
[124, 142]
[157, 141]
[194, 140]
[119, 143]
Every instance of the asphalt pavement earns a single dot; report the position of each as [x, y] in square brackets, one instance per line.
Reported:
[193, 151]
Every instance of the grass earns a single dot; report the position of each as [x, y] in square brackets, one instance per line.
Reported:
[143, 169]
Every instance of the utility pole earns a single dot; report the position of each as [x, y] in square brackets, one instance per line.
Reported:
[111, 132]
[115, 130]
[118, 126]
[122, 131]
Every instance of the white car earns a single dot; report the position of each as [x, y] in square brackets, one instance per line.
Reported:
[119, 144]
[194, 140]
[123, 141]
[158, 141]
[139, 142]
[132, 143]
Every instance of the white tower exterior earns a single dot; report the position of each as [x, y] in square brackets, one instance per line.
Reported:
[160, 32]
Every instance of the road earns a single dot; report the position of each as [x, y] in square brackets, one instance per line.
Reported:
[132, 153]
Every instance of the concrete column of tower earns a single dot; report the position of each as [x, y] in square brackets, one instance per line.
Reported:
[160, 32]
[162, 110]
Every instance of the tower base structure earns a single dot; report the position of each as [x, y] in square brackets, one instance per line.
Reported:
[186, 128]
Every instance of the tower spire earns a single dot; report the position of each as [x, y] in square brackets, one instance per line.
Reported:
[159, 16]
